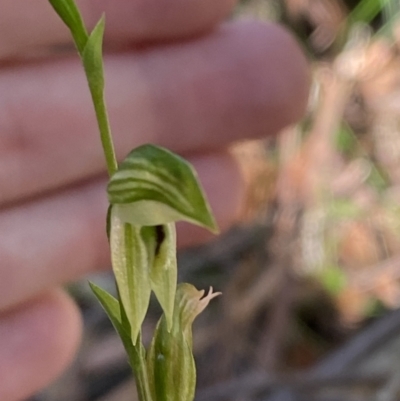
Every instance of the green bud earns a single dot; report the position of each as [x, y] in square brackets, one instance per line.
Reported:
[170, 361]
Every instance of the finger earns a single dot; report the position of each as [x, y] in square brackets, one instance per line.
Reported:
[62, 237]
[38, 340]
[34, 26]
[246, 80]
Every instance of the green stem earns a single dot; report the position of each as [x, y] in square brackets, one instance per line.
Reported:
[105, 133]
[137, 359]
[138, 364]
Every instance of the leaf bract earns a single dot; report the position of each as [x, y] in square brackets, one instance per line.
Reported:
[69, 13]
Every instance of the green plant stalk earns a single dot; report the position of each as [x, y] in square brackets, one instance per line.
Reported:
[69, 13]
[138, 363]
[148, 192]
[73, 20]
[105, 133]
[93, 64]
[92, 59]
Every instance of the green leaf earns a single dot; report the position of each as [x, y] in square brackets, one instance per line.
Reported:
[153, 186]
[136, 352]
[113, 310]
[109, 304]
[69, 13]
[161, 242]
[92, 58]
[130, 262]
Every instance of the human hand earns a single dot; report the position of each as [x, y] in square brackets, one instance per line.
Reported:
[173, 77]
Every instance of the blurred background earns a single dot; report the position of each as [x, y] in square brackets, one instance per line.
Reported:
[311, 274]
